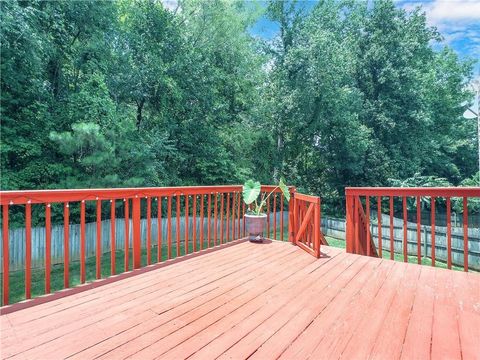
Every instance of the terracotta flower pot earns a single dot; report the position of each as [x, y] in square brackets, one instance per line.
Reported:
[255, 226]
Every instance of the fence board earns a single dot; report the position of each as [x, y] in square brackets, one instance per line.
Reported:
[17, 238]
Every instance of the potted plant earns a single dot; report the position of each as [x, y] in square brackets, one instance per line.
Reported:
[256, 218]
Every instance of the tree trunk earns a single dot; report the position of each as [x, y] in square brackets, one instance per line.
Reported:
[139, 112]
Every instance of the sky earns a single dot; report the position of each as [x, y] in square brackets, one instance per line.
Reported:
[457, 20]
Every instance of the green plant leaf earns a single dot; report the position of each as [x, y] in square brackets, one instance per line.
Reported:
[251, 190]
[284, 189]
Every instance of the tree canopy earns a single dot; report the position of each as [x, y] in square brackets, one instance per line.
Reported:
[130, 93]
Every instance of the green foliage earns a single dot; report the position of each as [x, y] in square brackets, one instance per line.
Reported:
[357, 95]
[251, 190]
[129, 93]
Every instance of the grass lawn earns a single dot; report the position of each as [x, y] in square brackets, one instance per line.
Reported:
[398, 257]
[17, 278]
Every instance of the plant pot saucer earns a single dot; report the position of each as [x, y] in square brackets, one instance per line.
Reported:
[257, 239]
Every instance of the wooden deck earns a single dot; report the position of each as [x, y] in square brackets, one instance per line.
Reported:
[260, 301]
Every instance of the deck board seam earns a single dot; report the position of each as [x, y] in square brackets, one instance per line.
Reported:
[169, 320]
[261, 305]
[268, 255]
[298, 310]
[321, 312]
[281, 279]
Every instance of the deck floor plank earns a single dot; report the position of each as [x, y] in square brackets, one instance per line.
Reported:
[329, 333]
[125, 315]
[365, 333]
[293, 316]
[196, 306]
[417, 343]
[445, 330]
[259, 302]
[226, 316]
[319, 312]
[265, 318]
[389, 340]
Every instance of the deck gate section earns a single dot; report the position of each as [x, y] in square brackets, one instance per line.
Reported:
[306, 223]
[401, 200]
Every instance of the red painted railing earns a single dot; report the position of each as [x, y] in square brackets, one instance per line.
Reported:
[358, 212]
[221, 206]
[306, 223]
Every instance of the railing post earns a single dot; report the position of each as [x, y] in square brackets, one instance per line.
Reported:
[350, 226]
[316, 224]
[136, 232]
[291, 217]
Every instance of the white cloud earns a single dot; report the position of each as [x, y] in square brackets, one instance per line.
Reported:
[457, 20]
[170, 4]
[453, 10]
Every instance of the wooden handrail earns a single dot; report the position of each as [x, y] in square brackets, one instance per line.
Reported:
[172, 202]
[414, 191]
[357, 227]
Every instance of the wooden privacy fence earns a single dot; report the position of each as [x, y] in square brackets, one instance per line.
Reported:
[219, 205]
[335, 227]
[359, 236]
[17, 237]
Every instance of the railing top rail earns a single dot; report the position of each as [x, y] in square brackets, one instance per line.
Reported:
[18, 197]
[307, 198]
[414, 191]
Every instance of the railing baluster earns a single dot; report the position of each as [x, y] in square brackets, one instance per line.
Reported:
[357, 225]
[367, 214]
[159, 229]
[465, 234]
[28, 251]
[136, 241]
[112, 238]
[379, 224]
[149, 230]
[221, 217]
[405, 226]
[169, 227]
[194, 213]
[178, 215]
[209, 218]
[275, 216]
[268, 217]
[281, 216]
[48, 247]
[432, 214]
[227, 237]
[243, 220]
[449, 234]
[202, 221]
[293, 204]
[127, 234]
[98, 248]
[82, 241]
[66, 245]
[234, 197]
[215, 219]
[238, 215]
[392, 249]
[187, 211]
[6, 257]
[316, 229]
[419, 231]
